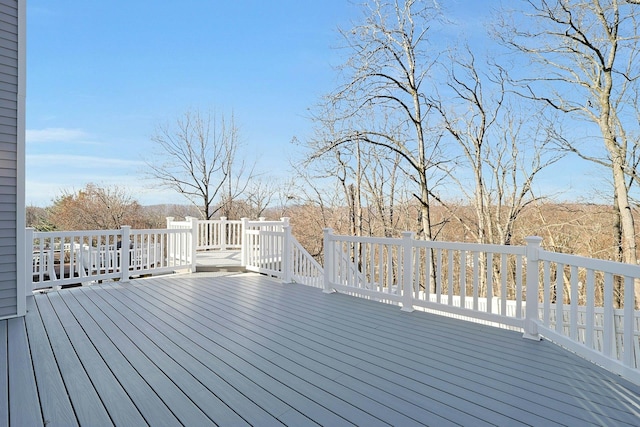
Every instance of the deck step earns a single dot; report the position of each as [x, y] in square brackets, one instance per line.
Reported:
[220, 268]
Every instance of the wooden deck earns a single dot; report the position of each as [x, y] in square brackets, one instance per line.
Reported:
[205, 349]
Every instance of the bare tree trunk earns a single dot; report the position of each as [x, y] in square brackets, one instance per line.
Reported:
[588, 51]
[385, 73]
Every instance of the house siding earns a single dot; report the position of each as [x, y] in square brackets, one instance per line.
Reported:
[9, 156]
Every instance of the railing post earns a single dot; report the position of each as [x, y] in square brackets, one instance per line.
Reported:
[194, 243]
[189, 219]
[171, 259]
[125, 253]
[29, 261]
[532, 288]
[223, 233]
[244, 243]
[287, 255]
[407, 271]
[329, 252]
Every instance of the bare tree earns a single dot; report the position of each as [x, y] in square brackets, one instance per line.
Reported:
[384, 193]
[588, 53]
[389, 65]
[502, 148]
[254, 201]
[198, 158]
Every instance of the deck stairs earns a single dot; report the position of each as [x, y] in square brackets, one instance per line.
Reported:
[219, 261]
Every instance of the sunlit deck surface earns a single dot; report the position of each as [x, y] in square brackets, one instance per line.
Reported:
[206, 349]
[215, 261]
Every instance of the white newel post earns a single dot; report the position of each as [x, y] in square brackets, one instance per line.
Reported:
[170, 241]
[244, 243]
[223, 233]
[190, 219]
[125, 252]
[407, 271]
[194, 243]
[287, 253]
[29, 260]
[532, 286]
[329, 252]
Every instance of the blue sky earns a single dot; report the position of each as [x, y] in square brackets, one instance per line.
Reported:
[101, 75]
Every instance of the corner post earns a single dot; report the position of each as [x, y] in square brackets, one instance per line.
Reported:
[532, 287]
[171, 245]
[28, 261]
[329, 252]
[194, 226]
[287, 252]
[223, 233]
[23, 283]
[125, 253]
[407, 271]
[244, 245]
[194, 243]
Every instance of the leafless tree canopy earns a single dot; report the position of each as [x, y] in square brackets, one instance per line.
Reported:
[383, 101]
[198, 157]
[439, 122]
[586, 54]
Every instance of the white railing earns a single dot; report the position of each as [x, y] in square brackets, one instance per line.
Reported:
[81, 257]
[263, 246]
[222, 234]
[490, 283]
[584, 304]
[304, 268]
[269, 248]
[597, 311]
[181, 246]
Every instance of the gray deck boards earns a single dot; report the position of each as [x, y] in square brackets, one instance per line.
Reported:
[4, 379]
[206, 349]
[22, 387]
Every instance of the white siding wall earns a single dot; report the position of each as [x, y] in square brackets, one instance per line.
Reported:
[10, 173]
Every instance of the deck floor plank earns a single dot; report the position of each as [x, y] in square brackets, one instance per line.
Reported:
[243, 331]
[55, 404]
[97, 398]
[502, 374]
[4, 374]
[22, 383]
[495, 364]
[371, 356]
[87, 404]
[245, 349]
[525, 396]
[305, 397]
[238, 391]
[162, 353]
[141, 395]
[159, 381]
[296, 351]
[331, 337]
[358, 362]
